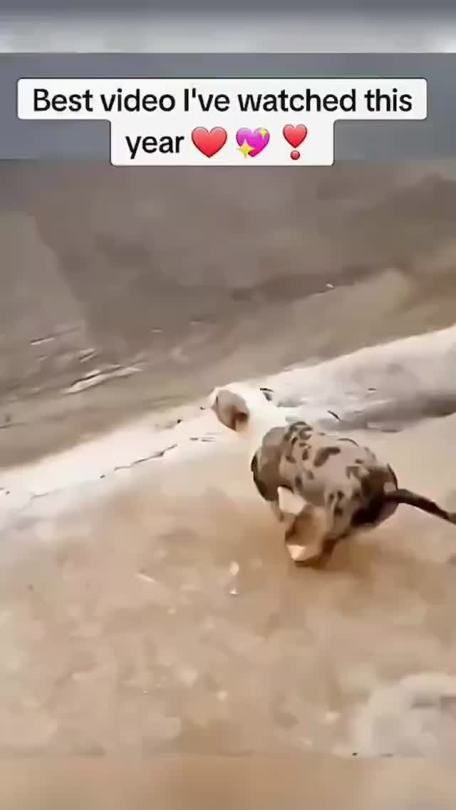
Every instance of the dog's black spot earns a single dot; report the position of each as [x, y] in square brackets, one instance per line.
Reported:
[322, 455]
[354, 471]
[305, 431]
[297, 427]
[338, 497]
[305, 453]
[310, 474]
[262, 489]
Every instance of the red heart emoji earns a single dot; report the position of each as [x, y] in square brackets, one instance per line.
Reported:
[295, 135]
[209, 143]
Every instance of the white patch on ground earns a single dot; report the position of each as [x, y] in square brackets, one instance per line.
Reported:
[419, 366]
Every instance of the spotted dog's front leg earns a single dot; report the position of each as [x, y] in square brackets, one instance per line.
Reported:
[305, 537]
[287, 506]
[289, 502]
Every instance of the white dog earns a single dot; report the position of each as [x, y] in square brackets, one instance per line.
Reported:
[323, 487]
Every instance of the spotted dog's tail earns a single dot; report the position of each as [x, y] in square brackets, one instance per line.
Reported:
[405, 496]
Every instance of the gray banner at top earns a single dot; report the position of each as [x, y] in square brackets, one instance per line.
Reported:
[375, 140]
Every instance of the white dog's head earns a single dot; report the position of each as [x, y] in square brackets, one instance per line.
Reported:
[247, 410]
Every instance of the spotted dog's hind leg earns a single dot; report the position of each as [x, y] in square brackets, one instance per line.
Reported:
[305, 537]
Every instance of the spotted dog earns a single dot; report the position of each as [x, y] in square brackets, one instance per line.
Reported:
[322, 487]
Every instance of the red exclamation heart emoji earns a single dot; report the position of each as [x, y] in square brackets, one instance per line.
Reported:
[295, 135]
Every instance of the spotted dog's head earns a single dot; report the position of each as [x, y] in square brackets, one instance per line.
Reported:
[241, 407]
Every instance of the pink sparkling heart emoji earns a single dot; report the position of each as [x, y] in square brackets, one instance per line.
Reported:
[252, 141]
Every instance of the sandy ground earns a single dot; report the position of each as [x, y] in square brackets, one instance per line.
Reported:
[147, 605]
[167, 618]
[192, 783]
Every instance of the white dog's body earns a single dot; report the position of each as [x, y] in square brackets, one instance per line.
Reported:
[322, 487]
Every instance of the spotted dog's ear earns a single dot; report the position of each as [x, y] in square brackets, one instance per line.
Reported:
[268, 393]
[230, 408]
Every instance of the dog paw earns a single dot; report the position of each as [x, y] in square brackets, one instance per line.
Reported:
[303, 555]
[297, 553]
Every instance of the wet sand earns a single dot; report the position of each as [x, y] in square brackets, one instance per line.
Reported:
[110, 272]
